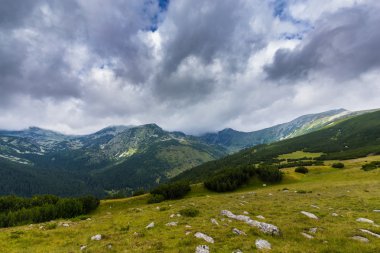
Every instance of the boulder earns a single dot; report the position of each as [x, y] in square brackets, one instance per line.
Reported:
[204, 237]
[310, 215]
[83, 247]
[238, 232]
[172, 224]
[97, 237]
[364, 220]
[313, 230]
[370, 233]
[307, 235]
[262, 244]
[360, 238]
[202, 249]
[150, 225]
[334, 214]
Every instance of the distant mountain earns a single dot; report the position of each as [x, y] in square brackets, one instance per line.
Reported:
[234, 140]
[353, 137]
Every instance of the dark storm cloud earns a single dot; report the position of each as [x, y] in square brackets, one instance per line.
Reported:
[343, 46]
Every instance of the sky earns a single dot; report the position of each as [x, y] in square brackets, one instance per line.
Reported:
[196, 66]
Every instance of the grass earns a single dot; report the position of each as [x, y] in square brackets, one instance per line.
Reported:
[351, 193]
[299, 155]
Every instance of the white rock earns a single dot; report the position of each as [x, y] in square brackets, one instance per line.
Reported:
[187, 232]
[264, 227]
[172, 224]
[313, 230]
[202, 249]
[150, 225]
[88, 219]
[109, 246]
[238, 232]
[360, 238]
[310, 215]
[376, 211]
[264, 185]
[270, 194]
[97, 237]
[307, 235]
[83, 247]
[187, 226]
[314, 206]
[245, 212]
[260, 217]
[65, 225]
[204, 237]
[334, 214]
[370, 232]
[158, 208]
[237, 251]
[172, 215]
[365, 220]
[215, 222]
[178, 215]
[262, 244]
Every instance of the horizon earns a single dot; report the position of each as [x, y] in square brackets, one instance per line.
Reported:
[76, 66]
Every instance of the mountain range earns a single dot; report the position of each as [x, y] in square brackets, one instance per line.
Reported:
[35, 160]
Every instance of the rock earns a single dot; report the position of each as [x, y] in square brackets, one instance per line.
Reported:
[370, 233]
[360, 238]
[88, 219]
[65, 225]
[202, 249]
[313, 230]
[158, 208]
[187, 226]
[260, 217]
[109, 246]
[365, 220]
[376, 211]
[307, 235]
[237, 251]
[172, 224]
[178, 215]
[238, 232]
[314, 206]
[187, 232]
[172, 215]
[83, 247]
[262, 244]
[215, 222]
[334, 214]
[204, 237]
[264, 185]
[245, 212]
[310, 215]
[97, 237]
[150, 225]
[264, 227]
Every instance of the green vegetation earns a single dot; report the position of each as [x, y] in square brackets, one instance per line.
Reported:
[17, 210]
[300, 155]
[301, 169]
[189, 212]
[371, 166]
[338, 165]
[171, 191]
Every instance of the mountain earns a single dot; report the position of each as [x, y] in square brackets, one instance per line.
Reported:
[234, 140]
[353, 137]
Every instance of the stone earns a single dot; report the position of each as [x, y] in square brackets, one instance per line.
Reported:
[376, 211]
[187, 232]
[360, 238]
[187, 226]
[109, 246]
[264, 227]
[83, 247]
[370, 233]
[260, 217]
[88, 219]
[314, 206]
[202, 249]
[238, 232]
[245, 212]
[215, 222]
[364, 220]
[204, 237]
[172, 215]
[172, 224]
[65, 225]
[307, 235]
[237, 251]
[97, 237]
[310, 215]
[334, 214]
[313, 230]
[150, 225]
[264, 185]
[262, 244]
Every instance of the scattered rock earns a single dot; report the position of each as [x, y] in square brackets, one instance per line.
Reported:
[238, 232]
[65, 225]
[178, 215]
[187, 232]
[215, 222]
[307, 235]
[264, 227]
[41, 227]
[204, 237]
[365, 220]
[83, 247]
[262, 244]
[88, 219]
[202, 249]
[334, 214]
[264, 185]
[245, 212]
[172, 224]
[151, 225]
[314, 206]
[158, 208]
[97, 237]
[360, 238]
[376, 211]
[172, 215]
[260, 217]
[313, 230]
[109, 246]
[310, 215]
[187, 226]
[237, 251]
[270, 194]
[370, 232]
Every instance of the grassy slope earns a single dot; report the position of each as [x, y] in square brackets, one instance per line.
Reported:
[350, 192]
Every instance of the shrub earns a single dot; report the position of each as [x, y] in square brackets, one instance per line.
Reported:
[138, 192]
[155, 198]
[371, 166]
[51, 226]
[189, 212]
[172, 191]
[338, 165]
[302, 170]
[269, 174]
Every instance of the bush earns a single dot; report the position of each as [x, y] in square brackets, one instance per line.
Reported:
[138, 192]
[189, 212]
[172, 191]
[302, 170]
[269, 174]
[338, 165]
[155, 198]
[371, 166]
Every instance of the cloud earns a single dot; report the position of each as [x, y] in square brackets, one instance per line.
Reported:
[195, 66]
